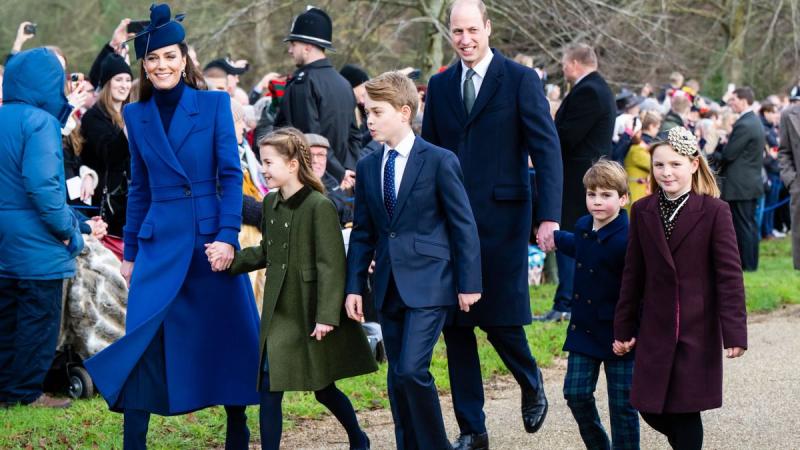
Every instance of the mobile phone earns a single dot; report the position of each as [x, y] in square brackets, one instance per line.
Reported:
[30, 28]
[136, 26]
[75, 79]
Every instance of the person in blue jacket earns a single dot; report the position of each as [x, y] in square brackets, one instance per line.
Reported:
[598, 244]
[192, 331]
[39, 234]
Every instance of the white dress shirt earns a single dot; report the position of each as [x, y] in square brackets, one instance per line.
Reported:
[400, 161]
[480, 73]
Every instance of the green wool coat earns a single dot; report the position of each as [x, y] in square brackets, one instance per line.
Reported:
[303, 251]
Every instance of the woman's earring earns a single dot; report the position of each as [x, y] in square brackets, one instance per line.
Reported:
[146, 76]
[183, 73]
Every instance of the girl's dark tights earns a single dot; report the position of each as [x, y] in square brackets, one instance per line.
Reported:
[271, 416]
[683, 431]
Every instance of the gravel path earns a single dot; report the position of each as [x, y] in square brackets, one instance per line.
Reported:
[761, 400]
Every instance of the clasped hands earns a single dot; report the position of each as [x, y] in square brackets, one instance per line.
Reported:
[220, 255]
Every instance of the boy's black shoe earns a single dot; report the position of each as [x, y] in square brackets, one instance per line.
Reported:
[472, 442]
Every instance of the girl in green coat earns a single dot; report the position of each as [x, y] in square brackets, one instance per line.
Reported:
[306, 340]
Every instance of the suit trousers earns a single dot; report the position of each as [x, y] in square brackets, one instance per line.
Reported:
[409, 337]
[30, 319]
[747, 236]
[464, 367]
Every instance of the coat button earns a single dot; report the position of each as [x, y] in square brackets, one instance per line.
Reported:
[286, 225]
[577, 296]
[392, 235]
[269, 264]
[572, 327]
[585, 235]
[271, 221]
[285, 245]
[591, 270]
[269, 242]
[187, 192]
[283, 266]
[589, 301]
[588, 331]
[579, 265]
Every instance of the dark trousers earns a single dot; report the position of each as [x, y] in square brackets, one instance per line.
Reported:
[566, 274]
[464, 368]
[768, 221]
[683, 431]
[747, 238]
[579, 386]
[134, 436]
[30, 319]
[409, 335]
[271, 415]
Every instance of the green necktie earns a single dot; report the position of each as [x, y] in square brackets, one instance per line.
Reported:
[469, 91]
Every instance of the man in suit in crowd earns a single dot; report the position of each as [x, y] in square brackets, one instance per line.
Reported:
[317, 99]
[789, 160]
[585, 124]
[493, 114]
[740, 162]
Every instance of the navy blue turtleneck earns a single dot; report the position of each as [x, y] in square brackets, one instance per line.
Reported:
[167, 101]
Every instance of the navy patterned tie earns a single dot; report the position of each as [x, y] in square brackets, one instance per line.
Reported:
[389, 196]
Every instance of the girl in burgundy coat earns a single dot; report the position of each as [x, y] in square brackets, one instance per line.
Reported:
[682, 296]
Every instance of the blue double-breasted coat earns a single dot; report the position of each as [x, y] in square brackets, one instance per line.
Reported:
[185, 191]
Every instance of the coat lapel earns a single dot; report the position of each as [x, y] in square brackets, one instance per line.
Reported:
[413, 168]
[652, 223]
[687, 219]
[491, 82]
[154, 134]
[454, 93]
[794, 117]
[183, 119]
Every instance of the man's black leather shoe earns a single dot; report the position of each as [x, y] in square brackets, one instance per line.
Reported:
[472, 442]
[534, 407]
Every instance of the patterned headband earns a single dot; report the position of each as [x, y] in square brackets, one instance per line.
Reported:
[683, 141]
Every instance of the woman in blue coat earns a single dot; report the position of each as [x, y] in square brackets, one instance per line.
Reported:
[192, 333]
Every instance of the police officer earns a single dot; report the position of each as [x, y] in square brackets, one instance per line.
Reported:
[317, 99]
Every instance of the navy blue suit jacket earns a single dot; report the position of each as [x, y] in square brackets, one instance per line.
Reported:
[599, 262]
[509, 121]
[430, 246]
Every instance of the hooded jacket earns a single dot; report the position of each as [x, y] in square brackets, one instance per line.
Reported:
[34, 216]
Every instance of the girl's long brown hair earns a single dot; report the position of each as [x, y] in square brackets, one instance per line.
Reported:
[703, 180]
[291, 144]
[105, 102]
[193, 76]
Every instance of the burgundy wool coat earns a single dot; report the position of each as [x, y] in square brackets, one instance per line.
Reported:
[683, 300]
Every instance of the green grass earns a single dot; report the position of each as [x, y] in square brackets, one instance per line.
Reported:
[89, 424]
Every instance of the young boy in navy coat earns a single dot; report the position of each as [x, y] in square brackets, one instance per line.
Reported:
[413, 218]
[598, 246]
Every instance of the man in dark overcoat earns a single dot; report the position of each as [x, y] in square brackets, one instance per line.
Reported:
[493, 114]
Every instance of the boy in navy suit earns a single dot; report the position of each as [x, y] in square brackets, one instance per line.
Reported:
[413, 218]
[598, 246]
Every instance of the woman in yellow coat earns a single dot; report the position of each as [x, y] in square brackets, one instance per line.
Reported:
[637, 161]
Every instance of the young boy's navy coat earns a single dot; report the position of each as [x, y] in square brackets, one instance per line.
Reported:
[185, 191]
[600, 260]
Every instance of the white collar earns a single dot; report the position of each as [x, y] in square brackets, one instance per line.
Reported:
[481, 68]
[403, 147]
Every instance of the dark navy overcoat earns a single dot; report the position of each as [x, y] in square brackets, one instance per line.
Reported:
[509, 122]
[599, 262]
[186, 191]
